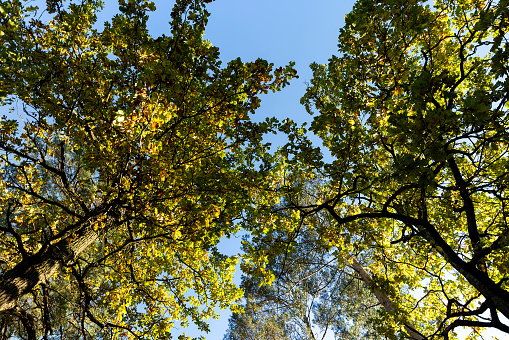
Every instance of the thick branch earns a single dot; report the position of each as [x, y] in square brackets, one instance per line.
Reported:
[473, 233]
[478, 279]
[40, 267]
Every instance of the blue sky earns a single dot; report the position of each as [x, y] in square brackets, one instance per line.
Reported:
[279, 31]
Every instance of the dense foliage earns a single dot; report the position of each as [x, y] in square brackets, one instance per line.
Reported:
[414, 111]
[123, 159]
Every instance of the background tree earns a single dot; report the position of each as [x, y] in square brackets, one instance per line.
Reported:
[414, 111]
[124, 159]
[314, 291]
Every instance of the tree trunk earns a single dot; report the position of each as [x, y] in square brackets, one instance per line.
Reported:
[384, 299]
[40, 267]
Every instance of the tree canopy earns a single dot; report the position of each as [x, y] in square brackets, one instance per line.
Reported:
[414, 111]
[123, 160]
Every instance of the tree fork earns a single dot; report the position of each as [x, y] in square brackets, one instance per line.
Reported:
[478, 279]
[38, 268]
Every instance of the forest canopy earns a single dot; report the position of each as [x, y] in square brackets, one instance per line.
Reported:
[414, 111]
[125, 158]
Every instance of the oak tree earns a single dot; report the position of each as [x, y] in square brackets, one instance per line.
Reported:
[414, 112]
[124, 158]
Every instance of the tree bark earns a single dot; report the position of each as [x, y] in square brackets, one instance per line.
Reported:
[40, 267]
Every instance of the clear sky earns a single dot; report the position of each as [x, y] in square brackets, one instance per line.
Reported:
[279, 31]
